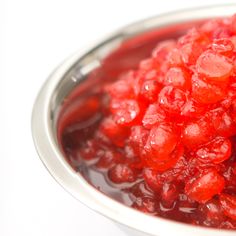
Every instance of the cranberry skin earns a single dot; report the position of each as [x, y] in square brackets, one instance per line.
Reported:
[178, 78]
[162, 49]
[216, 151]
[206, 92]
[228, 204]
[204, 187]
[212, 213]
[214, 66]
[172, 99]
[120, 89]
[223, 46]
[147, 64]
[115, 133]
[192, 109]
[138, 138]
[221, 32]
[108, 159]
[149, 90]
[154, 115]
[167, 162]
[161, 141]
[175, 58]
[152, 180]
[209, 26]
[90, 151]
[229, 173]
[126, 112]
[223, 122]
[233, 110]
[189, 53]
[169, 194]
[192, 45]
[122, 173]
[197, 132]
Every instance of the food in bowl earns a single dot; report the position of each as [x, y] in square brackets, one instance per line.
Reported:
[161, 137]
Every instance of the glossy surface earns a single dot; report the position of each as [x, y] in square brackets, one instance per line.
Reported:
[163, 133]
[54, 93]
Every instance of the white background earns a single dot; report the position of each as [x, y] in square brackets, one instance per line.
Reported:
[35, 36]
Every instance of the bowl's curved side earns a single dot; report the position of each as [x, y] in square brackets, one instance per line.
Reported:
[44, 135]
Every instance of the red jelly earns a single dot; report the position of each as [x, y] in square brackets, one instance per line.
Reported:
[158, 131]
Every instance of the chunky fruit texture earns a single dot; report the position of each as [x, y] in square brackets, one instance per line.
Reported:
[165, 133]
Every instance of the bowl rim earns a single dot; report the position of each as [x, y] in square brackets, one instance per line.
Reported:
[72, 181]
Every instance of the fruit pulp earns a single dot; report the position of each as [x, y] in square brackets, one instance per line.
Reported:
[155, 126]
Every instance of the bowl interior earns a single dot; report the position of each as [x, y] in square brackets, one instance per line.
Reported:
[75, 76]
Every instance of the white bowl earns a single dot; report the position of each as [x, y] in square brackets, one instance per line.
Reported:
[44, 118]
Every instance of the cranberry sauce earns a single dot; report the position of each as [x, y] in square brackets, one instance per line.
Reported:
[154, 127]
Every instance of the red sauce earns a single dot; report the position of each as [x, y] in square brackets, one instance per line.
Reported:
[154, 126]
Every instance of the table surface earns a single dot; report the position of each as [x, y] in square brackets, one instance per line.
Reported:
[35, 37]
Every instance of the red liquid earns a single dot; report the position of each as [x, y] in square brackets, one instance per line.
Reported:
[162, 138]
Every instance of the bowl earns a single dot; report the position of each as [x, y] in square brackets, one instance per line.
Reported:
[69, 76]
